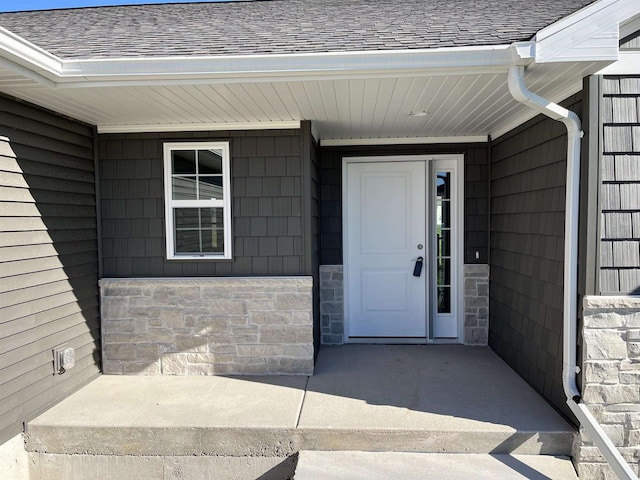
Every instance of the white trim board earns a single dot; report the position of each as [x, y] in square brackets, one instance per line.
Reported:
[198, 127]
[345, 142]
[459, 301]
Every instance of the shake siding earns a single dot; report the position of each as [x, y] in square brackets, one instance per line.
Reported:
[267, 205]
[475, 194]
[48, 260]
[620, 190]
[528, 177]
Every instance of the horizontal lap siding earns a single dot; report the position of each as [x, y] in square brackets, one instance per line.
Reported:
[528, 178]
[266, 175]
[475, 194]
[620, 194]
[48, 260]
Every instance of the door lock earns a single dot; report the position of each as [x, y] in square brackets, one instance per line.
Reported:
[420, 247]
[417, 269]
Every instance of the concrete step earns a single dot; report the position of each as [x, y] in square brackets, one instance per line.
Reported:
[315, 465]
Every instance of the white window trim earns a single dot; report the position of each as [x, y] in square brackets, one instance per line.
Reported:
[170, 204]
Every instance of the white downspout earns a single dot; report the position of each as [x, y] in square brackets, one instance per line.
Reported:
[519, 91]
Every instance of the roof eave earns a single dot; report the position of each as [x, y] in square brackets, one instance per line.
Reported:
[32, 61]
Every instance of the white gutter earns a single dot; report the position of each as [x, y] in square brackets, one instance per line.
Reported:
[28, 59]
[519, 91]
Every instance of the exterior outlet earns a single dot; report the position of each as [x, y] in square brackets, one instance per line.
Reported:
[64, 358]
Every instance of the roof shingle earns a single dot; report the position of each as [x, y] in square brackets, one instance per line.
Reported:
[283, 26]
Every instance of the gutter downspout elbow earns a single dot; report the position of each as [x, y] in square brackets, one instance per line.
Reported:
[519, 91]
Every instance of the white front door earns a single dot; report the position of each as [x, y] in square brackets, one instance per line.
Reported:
[386, 211]
[397, 210]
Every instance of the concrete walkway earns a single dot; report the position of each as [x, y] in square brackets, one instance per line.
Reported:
[362, 397]
[430, 466]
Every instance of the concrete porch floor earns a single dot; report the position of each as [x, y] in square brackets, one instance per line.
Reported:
[446, 399]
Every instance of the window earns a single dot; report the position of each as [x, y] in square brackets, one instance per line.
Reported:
[197, 200]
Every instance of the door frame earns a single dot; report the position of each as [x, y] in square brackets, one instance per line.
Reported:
[459, 247]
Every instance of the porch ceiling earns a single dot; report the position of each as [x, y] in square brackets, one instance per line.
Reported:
[341, 108]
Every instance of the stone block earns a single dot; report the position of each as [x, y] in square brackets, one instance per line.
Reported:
[118, 326]
[301, 318]
[294, 301]
[227, 307]
[272, 318]
[201, 369]
[275, 334]
[596, 471]
[191, 344]
[604, 320]
[147, 352]
[601, 372]
[630, 377]
[117, 351]
[142, 368]
[161, 335]
[172, 317]
[174, 364]
[609, 394]
[112, 368]
[605, 344]
[470, 320]
[211, 325]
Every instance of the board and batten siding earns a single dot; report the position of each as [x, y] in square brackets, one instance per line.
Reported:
[528, 178]
[620, 189]
[48, 260]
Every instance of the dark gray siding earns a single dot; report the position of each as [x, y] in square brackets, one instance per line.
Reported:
[620, 190]
[475, 190]
[267, 208]
[48, 259]
[528, 177]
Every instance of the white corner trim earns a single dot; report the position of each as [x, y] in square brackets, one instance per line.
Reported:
[198, 127]
[591, 33]
[344, 142]
[628, 64]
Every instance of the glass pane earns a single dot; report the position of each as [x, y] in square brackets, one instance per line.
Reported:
[210, 187]
[183, 161]
[209, 162]
[443, 243]
[211, 217]
[443, 185]
[187, 241]
[213, 240]
[444, 272]
[186, 218]
[444, 300]
[443, 213]
[184, 188]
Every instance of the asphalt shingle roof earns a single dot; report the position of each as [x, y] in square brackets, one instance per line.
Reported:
[284, 26]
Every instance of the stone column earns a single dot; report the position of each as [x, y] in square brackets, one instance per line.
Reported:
[611, 380]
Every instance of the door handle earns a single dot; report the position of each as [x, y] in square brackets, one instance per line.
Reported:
[417, 269]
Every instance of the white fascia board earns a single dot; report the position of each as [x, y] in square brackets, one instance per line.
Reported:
[198, 127]
[17, 51]
[590, 34]
[628, 64]
[347, 142]
[242, 68]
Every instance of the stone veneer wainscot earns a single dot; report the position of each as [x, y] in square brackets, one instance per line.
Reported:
[476, 304]
[207, 326]
[611, 380]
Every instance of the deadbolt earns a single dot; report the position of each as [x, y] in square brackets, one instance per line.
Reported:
[420, 247]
